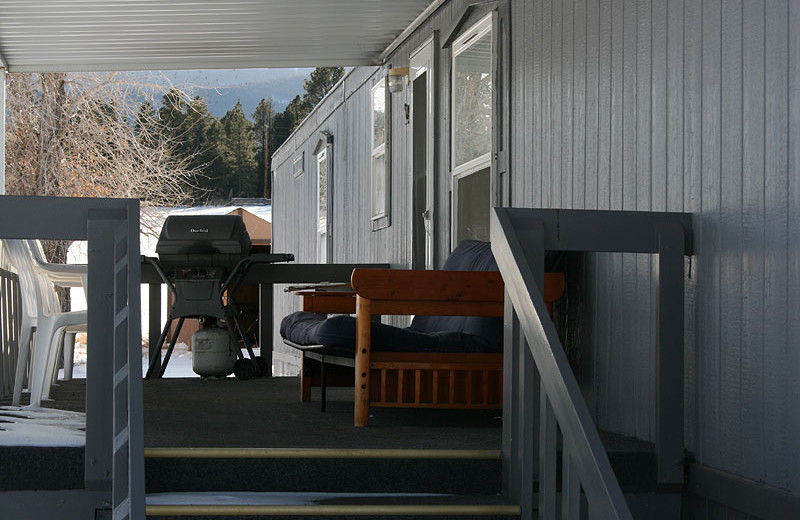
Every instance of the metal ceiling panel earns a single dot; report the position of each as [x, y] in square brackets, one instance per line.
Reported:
[97, 35]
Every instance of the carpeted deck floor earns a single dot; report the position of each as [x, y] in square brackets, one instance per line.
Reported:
[267, 412]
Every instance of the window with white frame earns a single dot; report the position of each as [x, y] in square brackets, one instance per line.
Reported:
[471, 130]
[381, 195]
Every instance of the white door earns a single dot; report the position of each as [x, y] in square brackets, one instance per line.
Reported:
[421, 162]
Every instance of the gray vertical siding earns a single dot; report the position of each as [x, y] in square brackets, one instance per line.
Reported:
[652, 105]
[793, 281]
[346, 114]
[678, 105]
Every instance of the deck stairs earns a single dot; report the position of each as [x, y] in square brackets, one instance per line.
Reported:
[387, 484]
[325, 483]
[555, 464]
[292, 483]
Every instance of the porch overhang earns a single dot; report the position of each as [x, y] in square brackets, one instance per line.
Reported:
[109, 35]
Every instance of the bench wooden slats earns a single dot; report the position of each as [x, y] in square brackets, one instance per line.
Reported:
[420, 379]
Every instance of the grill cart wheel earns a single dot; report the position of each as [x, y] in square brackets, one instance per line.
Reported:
[244, 369]
[263, 367]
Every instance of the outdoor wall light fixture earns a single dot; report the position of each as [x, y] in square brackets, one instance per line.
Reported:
[397, 78]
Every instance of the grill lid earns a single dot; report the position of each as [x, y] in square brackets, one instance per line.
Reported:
[203, 235]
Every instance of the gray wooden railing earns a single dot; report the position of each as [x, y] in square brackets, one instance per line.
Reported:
[540, 390]
[114, 455]
[10, 322]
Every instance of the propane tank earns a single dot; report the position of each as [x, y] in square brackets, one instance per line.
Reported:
[213, 351]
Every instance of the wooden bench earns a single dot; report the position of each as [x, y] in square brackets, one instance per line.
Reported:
[412, 379]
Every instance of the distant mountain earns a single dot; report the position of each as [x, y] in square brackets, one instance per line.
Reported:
[222, 88]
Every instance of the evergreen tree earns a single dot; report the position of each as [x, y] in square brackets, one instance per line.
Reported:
[238, 153]
[215, 170]
[293, 115]
[171, 115]
[201, 142]
[318, 84]
[283, 124]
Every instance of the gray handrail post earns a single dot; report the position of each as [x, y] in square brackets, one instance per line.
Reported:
[519, 240]
[512, 469]
[128, 488]
[670, 353]
[99, 356]
[561, 402]
[114, 410]
[521, 388]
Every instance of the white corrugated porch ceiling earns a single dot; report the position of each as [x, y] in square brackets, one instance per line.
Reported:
[95, 35]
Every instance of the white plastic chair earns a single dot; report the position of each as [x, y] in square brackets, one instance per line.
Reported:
[41, 311]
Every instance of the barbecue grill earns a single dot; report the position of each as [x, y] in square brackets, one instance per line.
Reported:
[203, 260]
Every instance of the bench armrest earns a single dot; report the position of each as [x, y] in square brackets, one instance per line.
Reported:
[440, 293]
[397, 284]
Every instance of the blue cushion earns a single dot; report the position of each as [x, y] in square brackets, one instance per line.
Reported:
[426, 333]
[470, 255]
[338, 333]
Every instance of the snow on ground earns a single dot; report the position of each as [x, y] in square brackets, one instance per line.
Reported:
[24, 426]
[180, 363]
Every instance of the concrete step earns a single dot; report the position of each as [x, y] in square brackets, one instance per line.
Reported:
[323, 470]
[278, 506]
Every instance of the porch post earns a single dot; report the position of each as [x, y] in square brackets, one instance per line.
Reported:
[98, 468]
[669, 354]
[2, 128]
[521, 390]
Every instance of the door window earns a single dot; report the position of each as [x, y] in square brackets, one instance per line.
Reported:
[381, 195]
[472, 131]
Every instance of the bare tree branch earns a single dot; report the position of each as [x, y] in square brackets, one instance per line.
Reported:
[84, 135]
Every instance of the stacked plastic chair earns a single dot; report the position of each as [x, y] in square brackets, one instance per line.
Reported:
[44, 324]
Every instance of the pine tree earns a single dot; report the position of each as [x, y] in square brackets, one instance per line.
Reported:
[318, 84]
[200, 142]
[238, 153]
[171, 114]
[283, 124]
[214, 169]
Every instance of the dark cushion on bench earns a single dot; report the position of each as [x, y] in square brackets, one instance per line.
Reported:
[339, 333]
[426, 333]
[470, 255]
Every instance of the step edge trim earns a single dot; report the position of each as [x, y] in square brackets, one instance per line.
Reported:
[319, 453]
[325, 510]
